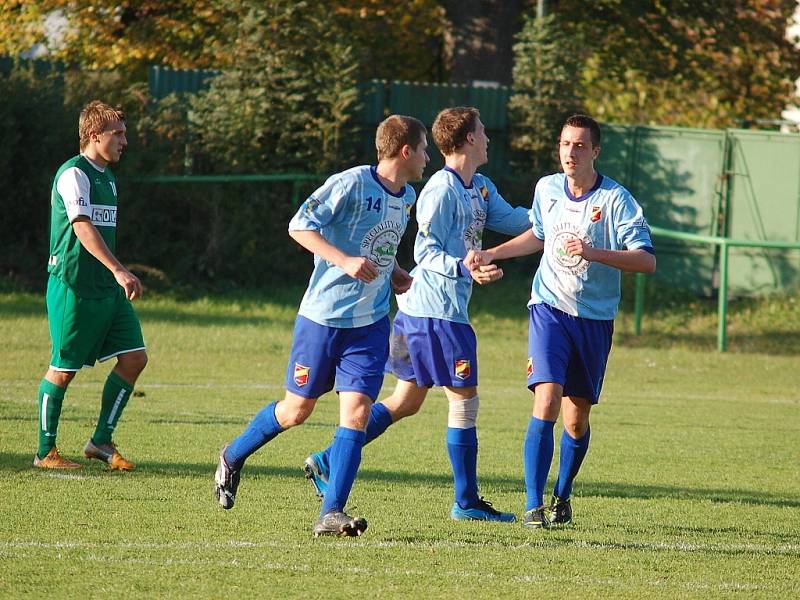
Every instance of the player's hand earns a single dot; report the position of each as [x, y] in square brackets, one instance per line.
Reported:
[360, 268]
[577, 247]
[401, 280]
[130, 283]
[486, 274]
[476, 258]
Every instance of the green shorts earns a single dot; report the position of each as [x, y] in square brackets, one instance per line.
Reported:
[85, 330]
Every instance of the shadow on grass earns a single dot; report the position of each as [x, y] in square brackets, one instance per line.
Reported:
[18, 462]
[775, 342]
[28, 305]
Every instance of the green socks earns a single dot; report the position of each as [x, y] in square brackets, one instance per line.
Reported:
[51, 397]
[115, 396]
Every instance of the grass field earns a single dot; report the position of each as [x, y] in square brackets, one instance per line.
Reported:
[691, 487]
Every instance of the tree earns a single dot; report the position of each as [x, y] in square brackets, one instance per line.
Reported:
[479, 38]
[289, 101]
[124, 35]
[685, 62]
[395, 40]
[546, 89]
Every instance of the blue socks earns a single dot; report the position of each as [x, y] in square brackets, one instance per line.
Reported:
[462, 447]
[572, 453]
[345, 458]
[379, 421]
[537, 454]
[262, 429]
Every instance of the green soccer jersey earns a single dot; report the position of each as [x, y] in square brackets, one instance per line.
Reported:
[81, 188]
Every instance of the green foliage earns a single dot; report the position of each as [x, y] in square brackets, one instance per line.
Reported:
[666, 504]
[695, 64]
[127, 36]
[34, 137]
[546, 91]
[289, 101]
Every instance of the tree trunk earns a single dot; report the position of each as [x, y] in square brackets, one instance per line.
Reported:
[479, 42]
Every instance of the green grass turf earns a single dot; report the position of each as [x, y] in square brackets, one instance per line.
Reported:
[690, 487]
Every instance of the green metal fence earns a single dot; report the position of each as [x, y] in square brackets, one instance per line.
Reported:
[731, 184]
[725, 246]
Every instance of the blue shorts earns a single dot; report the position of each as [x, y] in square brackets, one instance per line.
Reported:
[433, 352]
[352, 359]
[570, 351]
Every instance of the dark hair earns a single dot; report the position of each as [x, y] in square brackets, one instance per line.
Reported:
[451, 127]
[397, 131]
[585, 122]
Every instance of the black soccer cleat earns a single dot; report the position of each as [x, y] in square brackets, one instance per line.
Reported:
[340, 523]
[536, 518]
[226, 482]
[560, 512]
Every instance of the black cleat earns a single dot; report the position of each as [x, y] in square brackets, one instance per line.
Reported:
[536, 518]
[560, 512]
[226, 482]
[340, 523]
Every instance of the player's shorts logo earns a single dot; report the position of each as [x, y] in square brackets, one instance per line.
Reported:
[301, 374]
[380, 244]
[462, 369]
[530, 366]
[563, 233]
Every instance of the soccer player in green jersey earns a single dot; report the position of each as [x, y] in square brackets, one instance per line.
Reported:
[89, 291]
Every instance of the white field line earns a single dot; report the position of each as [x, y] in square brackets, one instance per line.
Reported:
[305, 567]
[438, 544]
[388, 386]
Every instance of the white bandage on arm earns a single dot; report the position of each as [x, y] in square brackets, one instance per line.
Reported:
[463, 414]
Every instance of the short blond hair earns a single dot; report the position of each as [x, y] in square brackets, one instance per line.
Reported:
[451, 127]
[397, 131]
[94, 118]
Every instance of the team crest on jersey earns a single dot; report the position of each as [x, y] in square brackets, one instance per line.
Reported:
[473, 234]
[311, 205]
[563, 233]
[462, 369]
[381, 242]
[530, 366]
[113, 187]
[597, 214]
[485, 192]
[301, 374]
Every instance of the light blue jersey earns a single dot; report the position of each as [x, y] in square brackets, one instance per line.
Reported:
[451, 218]
[606, 217]
[357, 214]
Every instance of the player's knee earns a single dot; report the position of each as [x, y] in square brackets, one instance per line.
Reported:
[60, 378]
[463, 414]
[132, 363]
[291, 413]
[575, 423]
[298, 416]
[140, 361]
[405, 407]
